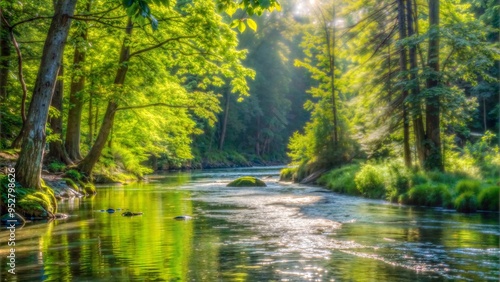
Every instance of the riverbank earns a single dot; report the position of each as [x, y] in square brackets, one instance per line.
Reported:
[38, 204]
[393, 182]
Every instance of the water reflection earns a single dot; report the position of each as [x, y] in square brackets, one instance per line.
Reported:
[279, 233]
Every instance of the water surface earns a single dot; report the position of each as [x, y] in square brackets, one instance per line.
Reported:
[284, 232]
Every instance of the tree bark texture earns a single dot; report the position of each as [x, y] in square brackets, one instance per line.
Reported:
[76, 101]
[433, 156]
[224, 121]
[418, 124]
[56, 148]
[404, 69]
[29, 163]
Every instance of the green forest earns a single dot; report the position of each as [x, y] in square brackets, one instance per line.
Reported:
[395, 100]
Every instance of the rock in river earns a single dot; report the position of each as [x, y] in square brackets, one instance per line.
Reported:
[247, 181]
[183, 217]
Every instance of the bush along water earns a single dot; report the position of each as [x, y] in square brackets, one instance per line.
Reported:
[395, 183]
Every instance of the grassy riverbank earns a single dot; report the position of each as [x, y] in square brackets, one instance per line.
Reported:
[393, 182]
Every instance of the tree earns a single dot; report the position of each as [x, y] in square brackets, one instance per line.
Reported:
[433, 157]
[29, 164]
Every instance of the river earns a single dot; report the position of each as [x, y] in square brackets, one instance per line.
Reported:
[283, 232]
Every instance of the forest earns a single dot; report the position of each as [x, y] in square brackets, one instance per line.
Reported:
[395, 100]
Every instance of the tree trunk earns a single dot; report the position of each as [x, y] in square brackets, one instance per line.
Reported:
[224, 121]
[76, 100]
[418, 124]
[89, 121]
[403, 69]
[433, 157]
[29, 163]
[5, 48]
[87, 164]
[56, 148]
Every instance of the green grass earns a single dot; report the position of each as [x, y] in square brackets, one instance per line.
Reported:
[341, 180]
[395, 183]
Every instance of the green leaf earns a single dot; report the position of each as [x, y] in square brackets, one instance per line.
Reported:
[265, 3]
[241, 26]
[252, 24]
[235, 23]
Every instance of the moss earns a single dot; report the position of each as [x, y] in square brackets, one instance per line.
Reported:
[73, 174]
[488, 198]
[71, 183]
[36, 204]
[56, 167]
[247, 181]
[50, 193]
[466, 202]
[89, 189]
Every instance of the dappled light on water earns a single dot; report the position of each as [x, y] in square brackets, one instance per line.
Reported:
[283, 232]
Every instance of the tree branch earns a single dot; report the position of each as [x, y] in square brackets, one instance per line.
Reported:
[30, 20]
[154, 105]
[20, 68]
[158, 45]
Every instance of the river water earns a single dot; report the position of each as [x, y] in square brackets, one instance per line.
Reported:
[283, 232]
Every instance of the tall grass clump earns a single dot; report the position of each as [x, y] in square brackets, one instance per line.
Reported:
[341, 180]
[468, 185]
[288, 174]
[466, 202]
[398, 181]
[488, 198]
[370, 181]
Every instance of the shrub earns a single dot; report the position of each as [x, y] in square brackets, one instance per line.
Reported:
[369, 181]
[398, 182]
[418, 178]
[467, 185]
[466, 202]
[56, 167]
[341, 180]
[488, 198]
[288, 174]
[439, 196]
[74, 174]
[428, 195]
[418, 195]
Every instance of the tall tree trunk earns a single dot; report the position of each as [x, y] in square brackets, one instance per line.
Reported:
[330, 44]
[90, 120]
[433, 156]
[224, 121]
[485, 125]
[5, 48]
[29, 163]
[87, 164]
[418, 124]
[56, 148]
[76, 100]
[403, 69]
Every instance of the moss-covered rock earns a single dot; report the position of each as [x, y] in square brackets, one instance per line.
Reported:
[247, 181]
